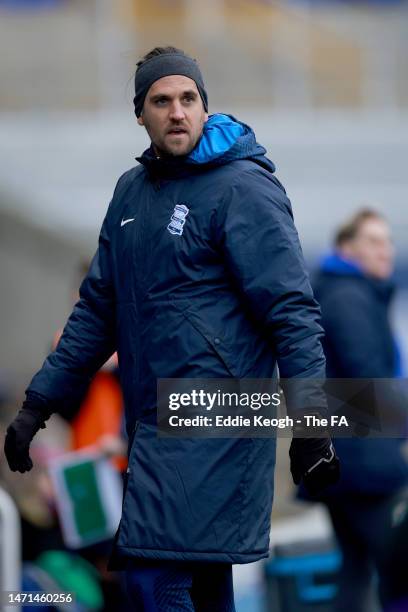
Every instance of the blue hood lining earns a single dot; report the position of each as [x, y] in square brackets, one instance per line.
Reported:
[226, 139]
[220, 134]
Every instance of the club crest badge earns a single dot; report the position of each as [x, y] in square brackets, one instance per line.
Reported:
[178, 219]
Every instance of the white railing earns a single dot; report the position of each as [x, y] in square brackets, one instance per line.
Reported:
[10, 549]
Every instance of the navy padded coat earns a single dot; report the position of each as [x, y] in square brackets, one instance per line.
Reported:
[199, 274]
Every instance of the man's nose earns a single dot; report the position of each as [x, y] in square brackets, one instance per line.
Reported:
[177, 112]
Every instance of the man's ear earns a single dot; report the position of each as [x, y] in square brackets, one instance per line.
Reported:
[140, 120]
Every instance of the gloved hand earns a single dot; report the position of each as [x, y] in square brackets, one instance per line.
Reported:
[22, 430]
[314, 461]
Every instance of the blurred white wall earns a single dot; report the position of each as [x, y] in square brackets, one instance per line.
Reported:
[58, 172]
[328, 102]
[61, 169]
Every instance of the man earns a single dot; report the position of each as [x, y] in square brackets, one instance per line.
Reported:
[199, 274]
[355, 291]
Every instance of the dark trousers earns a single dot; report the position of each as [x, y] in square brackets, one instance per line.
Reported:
[167, 586]
[363, 526]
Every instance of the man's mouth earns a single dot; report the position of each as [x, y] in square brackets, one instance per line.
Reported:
[177, 131]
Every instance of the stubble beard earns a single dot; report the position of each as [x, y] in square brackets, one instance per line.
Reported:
[162, 150]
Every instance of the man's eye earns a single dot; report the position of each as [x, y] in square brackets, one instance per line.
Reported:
[161, 101]
[188, 98]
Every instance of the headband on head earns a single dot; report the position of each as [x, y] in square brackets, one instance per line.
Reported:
[166, 65]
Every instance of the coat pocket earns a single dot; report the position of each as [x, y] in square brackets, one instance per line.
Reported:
[215, 341]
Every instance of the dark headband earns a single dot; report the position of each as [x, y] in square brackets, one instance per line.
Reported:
[166, 65]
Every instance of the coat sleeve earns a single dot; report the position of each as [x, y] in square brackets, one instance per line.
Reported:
[88, 338]
[264, 257]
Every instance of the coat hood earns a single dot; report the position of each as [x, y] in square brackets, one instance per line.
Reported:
[224, 139]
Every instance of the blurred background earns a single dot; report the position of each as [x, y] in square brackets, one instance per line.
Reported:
[324, 84]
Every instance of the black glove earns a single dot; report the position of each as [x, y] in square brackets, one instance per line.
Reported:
[314, 461]
[22, 430]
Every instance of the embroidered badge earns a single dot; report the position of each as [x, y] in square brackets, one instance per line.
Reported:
[178, 219]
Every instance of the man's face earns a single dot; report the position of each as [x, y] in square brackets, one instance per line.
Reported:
[173, 115]
[372, 248]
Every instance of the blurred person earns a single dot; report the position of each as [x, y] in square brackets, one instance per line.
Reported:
[355, 290]
[199, 274]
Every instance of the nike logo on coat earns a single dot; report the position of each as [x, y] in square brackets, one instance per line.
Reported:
[124, 221]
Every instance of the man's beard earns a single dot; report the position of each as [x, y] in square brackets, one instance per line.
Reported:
[167, 152]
